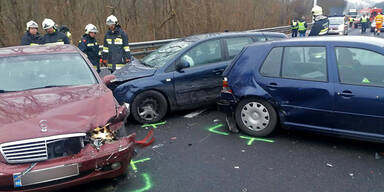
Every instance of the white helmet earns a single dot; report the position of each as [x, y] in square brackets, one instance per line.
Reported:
[317, 10]
[90, 28]
[111, 20]
[32, 24]
[48, 23]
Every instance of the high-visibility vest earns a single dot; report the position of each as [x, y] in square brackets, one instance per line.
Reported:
[379, 19]
[351, 19]
[294, 25]
[364, 19]
[302, 26]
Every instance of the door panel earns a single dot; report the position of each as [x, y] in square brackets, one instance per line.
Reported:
[359, 95]
[201, 82]
[301, 89]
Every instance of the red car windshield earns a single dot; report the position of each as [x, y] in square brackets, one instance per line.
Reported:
[18, 73]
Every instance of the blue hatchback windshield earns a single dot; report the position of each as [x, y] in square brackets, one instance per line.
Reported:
[165, 53]
[18, 73]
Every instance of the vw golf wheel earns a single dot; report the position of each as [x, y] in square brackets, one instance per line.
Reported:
[256, 117]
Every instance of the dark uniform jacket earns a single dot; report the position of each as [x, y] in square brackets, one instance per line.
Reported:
[90, 47]
[320, 27]
[55, 38]
[116, 48]
[29, 39]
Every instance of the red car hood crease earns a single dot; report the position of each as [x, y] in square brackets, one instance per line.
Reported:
[66, 109]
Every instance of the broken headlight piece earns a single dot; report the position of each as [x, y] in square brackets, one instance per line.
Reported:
[100, 135]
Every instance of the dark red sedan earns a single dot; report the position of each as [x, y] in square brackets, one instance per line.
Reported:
[59, 124]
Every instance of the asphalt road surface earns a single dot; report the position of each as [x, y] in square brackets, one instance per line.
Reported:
[198, 155]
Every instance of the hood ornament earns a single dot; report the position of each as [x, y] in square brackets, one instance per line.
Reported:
[43, 125]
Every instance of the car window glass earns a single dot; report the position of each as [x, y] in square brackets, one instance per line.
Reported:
[360, 66]
[306, 63]
[204, 53]
[37, 71]
[235, 45]
[271, 65]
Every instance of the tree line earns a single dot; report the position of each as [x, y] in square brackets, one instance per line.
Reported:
[146, 20]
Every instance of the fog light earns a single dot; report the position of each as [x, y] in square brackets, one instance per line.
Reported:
[116, 165]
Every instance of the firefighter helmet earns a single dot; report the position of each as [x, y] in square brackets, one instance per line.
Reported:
[90, 28]
[317, 10]
[48, 23]
[32, 24]
[111, 20]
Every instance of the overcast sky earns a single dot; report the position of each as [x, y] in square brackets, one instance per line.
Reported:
[362, 3]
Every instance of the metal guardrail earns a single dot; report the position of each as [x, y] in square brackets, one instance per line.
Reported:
[143, 48]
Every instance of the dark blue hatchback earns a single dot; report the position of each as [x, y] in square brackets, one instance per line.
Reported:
[327, 84]
[183, 74]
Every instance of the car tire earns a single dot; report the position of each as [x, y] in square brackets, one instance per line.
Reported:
[261, 122]
[149, 107]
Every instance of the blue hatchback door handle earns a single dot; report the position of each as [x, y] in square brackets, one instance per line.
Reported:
[346, 93]
[272, 85]
[218, 71]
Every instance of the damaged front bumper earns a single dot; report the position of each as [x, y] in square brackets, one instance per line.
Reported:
[109, 161]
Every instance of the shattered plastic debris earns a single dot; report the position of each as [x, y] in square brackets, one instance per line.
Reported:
[173, 138]
[237, 167]
[243, 151]
[157, 146]
[329, 165]
[351, 174]
[244, 190]
[194, 114]
[216, 120]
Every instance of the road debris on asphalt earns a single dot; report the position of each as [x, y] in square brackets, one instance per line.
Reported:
[329, 165]
[158, 146]
[237, 167]
[194, 114]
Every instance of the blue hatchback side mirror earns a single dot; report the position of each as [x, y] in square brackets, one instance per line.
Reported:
[182, 65]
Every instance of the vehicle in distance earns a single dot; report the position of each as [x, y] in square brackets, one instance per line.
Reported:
[60, 125]
[337, 25]
[183, 74]
[331, 85]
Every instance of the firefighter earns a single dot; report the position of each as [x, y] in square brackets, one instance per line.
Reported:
[364, 23]
[31, 36]
[302, 27]
[89, 45]
[65, 29]
[53, 36]
[379, 23]
[294, 27]
[321, 22]
[116, 50]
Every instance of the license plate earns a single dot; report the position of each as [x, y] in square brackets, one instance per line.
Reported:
[45, 175]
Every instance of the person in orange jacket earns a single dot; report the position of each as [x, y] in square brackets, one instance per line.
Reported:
[379, 23]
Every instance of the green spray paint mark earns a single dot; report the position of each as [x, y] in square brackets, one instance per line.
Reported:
[133, 163]
[213, 130]
[148, 183]
[252, 139]
[154, 125]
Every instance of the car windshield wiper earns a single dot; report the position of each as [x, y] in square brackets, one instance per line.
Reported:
[146, 64]
[48, 86]
[5, 91]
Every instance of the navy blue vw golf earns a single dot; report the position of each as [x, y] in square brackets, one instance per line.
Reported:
[183, 74]
[333, 85]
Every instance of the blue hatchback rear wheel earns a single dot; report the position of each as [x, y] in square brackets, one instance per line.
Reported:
[256, 117]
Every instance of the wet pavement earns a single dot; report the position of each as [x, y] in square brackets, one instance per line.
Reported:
[198, 154]
[193, 151]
